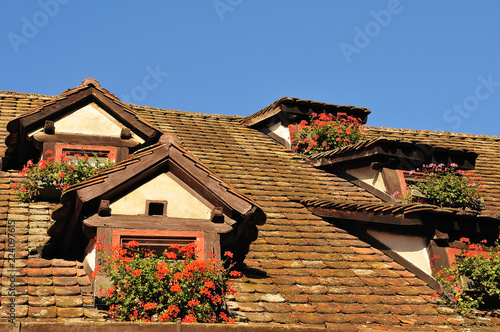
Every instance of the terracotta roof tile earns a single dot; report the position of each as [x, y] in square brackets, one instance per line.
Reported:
[301, 270]
[42, 312]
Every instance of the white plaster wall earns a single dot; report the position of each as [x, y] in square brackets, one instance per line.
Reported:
[180, 203]
[89, 262]
[412, 248]
[91, 119]
[281, 130]
[370, 176]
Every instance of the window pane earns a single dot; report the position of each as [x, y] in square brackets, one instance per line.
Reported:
[159, 245]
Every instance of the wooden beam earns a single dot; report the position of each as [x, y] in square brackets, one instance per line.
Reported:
[49, 127]
[85, 139]
[399, 155]
[48, 112]
[217, 216]
[156, 222]
[104, 209]
[367, 216]
[211, 185]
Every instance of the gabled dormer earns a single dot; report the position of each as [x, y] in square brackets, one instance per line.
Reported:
[161, 195]
[274, 119]
[382, 165]
[411, 232]
[84, 120]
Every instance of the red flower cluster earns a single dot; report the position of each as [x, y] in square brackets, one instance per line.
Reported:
[151, 288]
[325, 132]
[473, 276]
[448, 186]
[52, 173]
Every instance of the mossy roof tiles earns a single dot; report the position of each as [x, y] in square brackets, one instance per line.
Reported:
[300, 271]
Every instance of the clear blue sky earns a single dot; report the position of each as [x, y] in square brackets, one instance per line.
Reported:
[416, 64]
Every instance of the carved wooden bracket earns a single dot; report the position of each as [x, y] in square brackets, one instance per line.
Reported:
[125, 133]
[217, 216]
[104, 209]
[49, 127]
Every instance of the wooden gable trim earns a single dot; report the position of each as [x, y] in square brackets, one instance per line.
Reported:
[446, 220]
[201, 179]
[86, 139]
[47, 112]
[393, 154]
[143, 130]
[367, 216]
[119, 182]
[156, 222]
[234, 215]
[84, 96]
[19, 148]
[302, 107]
[263, 119]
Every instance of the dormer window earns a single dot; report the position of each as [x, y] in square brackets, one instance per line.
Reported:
[380, 165]
[274, 119]
[160, 196]
[84, 120]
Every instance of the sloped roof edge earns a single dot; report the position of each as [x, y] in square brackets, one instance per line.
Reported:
[396, 148]
[291, 102]
[400, 213]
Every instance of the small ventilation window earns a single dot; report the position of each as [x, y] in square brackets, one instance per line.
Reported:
[156, 208]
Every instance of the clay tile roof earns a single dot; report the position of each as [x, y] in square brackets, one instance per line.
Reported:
[305, 106]
[301, 271]
[45, 289]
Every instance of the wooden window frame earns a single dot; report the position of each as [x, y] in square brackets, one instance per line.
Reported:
[117, 234]
[60, 147]
[148, 202]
